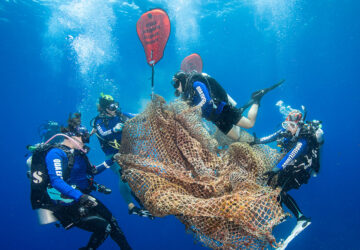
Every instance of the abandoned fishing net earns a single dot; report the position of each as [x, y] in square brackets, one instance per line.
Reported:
[175, 167]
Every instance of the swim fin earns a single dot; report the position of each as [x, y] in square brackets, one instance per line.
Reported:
[274, 86]
[257, 95]
[300, 226]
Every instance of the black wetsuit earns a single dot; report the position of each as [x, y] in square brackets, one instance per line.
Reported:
[203, 90]
[97, 220]
[67, 208]
[301, 160]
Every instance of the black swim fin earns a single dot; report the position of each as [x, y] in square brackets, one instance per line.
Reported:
[257, 95]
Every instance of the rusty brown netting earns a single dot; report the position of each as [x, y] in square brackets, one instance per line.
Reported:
[175, 167]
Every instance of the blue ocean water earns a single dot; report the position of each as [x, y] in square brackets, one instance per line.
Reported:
[57, 56]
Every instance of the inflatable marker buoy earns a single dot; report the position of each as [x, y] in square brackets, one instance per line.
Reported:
[153, 29]
[191, 63]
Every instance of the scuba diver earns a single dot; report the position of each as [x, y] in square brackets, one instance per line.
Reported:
[49, 129]
[108, 127]
[300, 141]
[200, 89]
[61, 183]
[46, 131]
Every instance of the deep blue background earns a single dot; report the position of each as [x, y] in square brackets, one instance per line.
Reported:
[245, 45]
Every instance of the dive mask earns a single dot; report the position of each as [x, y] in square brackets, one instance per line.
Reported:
[83, 133]
[113, 106]
[289, 124]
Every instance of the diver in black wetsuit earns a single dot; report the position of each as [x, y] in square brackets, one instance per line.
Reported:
[217, 106]
[62, 180]
[301, 144]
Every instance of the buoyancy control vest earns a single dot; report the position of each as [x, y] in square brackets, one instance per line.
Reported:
[313, 133]
[216, 91]
[106, 119]
[39, 177]
[302, 168]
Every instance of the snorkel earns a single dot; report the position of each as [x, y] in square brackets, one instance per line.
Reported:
[304, 112]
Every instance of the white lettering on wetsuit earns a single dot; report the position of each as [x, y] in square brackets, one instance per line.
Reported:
[102, 133]
[202, 96]
[58, 167]
[292, 155]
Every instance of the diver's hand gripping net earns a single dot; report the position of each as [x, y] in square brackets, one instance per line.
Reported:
[175, 168]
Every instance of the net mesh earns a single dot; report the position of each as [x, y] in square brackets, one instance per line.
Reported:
[175, 167]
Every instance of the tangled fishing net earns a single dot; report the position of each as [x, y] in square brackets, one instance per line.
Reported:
[175, 167]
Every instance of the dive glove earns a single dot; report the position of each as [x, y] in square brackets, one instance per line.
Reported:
[87, 201]
[118, 127]
[141, 212]
[255, 141]
[271, 174]
[103, 189]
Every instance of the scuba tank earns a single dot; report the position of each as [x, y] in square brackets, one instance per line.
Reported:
[231, 101]
[39, 180]
[313, 131]
[319, 133]
[45, 216]
[216, 91]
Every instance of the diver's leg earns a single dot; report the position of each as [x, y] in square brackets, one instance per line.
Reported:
[115, 231]
[249, 122]
[125, 192]
[124, 188]
[227, 120]
[118, 236]
[302, 221]
[98, 226]
[291, 204]
[234, 133]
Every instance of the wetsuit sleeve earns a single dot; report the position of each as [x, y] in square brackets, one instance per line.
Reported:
[101, 167]
[104, 132]
[203, 99]
[129, 115]
[55, 163]
[293, 154]
[270, 138]
[202, 94]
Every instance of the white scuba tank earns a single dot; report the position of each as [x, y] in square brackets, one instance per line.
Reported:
[231, 101]
[319, 133]
[45, 216]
